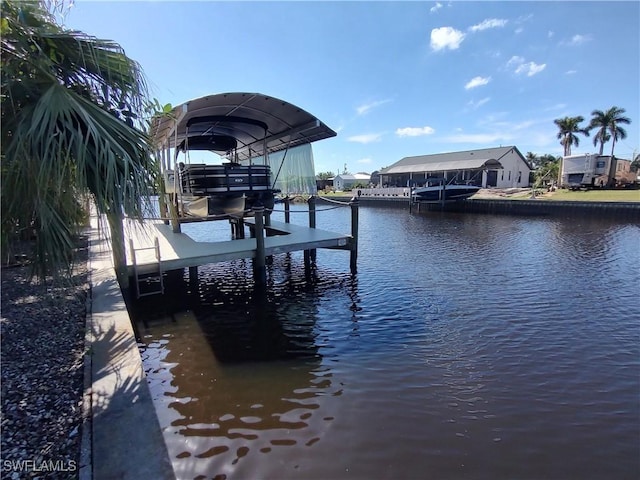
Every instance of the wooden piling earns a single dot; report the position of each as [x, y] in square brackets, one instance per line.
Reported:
[116, 227]
[193, 279]
[259, 262]
[310, 255]
[354, 234]
[287, 209]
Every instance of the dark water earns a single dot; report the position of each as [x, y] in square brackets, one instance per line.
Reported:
[467, 346]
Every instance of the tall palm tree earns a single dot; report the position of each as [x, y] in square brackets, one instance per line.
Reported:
[608, 125]
[72, 112]
[568, 127]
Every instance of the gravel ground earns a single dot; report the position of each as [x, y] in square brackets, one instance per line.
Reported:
[42, 330]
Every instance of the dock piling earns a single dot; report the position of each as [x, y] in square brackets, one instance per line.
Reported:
[259, 262]
[354, 234]
[287, 209]
[310, 255]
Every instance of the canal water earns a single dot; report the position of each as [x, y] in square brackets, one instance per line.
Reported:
[467, 346]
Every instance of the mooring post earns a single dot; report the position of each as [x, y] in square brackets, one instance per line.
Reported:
[193, 279]
[118, 249]
[259, 262]
[312, 224]
[354, 234]
[287, 213]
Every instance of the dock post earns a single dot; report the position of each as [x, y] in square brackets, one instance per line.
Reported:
[287, 212]
[193, 279]
[116, 219]
[173, 214]
[259, 263]
[354, 234]
[312, 224]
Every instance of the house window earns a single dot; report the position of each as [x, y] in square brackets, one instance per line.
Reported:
[519, 177]
[509, 175]
[502, 176]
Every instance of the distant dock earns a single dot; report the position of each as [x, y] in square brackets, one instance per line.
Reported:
[618, 210]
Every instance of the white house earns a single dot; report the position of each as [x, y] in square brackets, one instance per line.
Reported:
[346, 180]
[501, 167]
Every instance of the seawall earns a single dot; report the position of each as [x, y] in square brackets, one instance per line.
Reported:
[620, 210]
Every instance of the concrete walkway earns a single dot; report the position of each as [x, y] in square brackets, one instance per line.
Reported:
[126, 441]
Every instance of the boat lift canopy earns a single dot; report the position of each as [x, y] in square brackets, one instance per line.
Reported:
[248, 122]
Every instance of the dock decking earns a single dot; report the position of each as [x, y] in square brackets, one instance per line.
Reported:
[179, 250]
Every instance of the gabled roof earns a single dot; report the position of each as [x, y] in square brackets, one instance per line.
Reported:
[467, 160]
[249, 118]
[356, 176]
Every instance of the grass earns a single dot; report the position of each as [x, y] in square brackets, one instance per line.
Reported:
[593, 196]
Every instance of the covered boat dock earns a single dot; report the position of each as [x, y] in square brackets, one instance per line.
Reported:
[259, 126]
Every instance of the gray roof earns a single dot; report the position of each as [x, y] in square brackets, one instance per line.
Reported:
[467, 160]
[250, 118]
[357, 176]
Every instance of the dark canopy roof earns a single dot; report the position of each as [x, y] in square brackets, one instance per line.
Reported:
[214, 121]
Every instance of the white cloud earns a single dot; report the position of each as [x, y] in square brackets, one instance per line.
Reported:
[577, 40]
[414, 131]
[436, 7]
[367, 107]
[479, 103]
[522, 67]
[488, 23]
[446, 37]
[531, 68]
[477, 82]
[570, 72]
[518, 30]
[365, 160]
[365, 138]
[515, 60]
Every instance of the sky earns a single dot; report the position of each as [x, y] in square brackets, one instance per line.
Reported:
[394, 79]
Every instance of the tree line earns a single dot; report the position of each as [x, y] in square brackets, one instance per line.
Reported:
[606, 124]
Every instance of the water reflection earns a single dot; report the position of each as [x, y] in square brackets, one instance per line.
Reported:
[238, 375]
[467, 346]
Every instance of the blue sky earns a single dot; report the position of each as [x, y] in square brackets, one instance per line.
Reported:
[394, 79]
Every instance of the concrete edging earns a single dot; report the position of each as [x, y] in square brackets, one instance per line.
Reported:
[124, 439]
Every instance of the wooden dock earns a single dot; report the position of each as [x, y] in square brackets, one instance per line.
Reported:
[179, 250]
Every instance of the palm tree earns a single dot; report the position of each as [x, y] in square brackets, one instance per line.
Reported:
[72, 113]
[568, 127]
[608, 126]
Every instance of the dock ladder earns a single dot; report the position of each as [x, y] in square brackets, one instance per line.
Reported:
[154, 277]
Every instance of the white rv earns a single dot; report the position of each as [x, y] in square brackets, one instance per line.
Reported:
[586, 170]
[593, 170]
